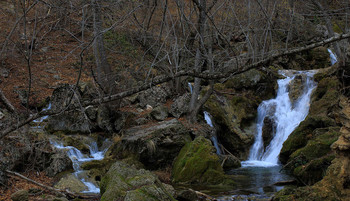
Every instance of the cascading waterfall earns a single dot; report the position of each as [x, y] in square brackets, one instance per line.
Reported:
[78, 159]
[287, 117]
[213, 138]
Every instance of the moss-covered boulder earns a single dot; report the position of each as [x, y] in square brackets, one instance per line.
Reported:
[155, 146]
[123, 182]
[198, 163]
[307, 151]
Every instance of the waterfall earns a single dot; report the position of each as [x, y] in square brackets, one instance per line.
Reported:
[213, 138]
[79, 158]
[332, 56]
[286, 116]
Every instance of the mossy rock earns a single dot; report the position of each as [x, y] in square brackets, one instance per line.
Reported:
[71, 183]
[123, 182]
[77, 143]
[197, 163]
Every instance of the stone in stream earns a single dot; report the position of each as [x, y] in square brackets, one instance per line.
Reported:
[72, 183]
[60, 162]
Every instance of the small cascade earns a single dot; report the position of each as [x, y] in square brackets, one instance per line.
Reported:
[41, 119]
[213, 138]
[79, 158]
[332, 56]
[190, 87]
[286, 116]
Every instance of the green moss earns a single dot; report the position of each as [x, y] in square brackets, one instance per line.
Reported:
[197, 163]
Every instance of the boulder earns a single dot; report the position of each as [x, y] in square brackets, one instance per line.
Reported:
[59, 162]
[197, 163]
[155, 146]
[21, 195]
[123, 182]
[155, 96]
[180, 105]
[72, 183]
[160, 113]
[229, 162]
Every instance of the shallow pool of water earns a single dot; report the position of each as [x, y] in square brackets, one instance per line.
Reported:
[255, 183]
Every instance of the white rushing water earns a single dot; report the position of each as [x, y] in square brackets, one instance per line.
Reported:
[332, 56]
[79, 158]
[213, 138]
[285, 115]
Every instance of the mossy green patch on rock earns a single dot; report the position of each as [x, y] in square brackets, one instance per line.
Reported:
[123, 182]
[197, 163]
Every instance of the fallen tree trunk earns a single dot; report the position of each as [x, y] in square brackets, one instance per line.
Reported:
[58, 192]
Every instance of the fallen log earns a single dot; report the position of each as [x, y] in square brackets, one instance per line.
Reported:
[58, 192]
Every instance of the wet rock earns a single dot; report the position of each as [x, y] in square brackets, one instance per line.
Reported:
[229, 162]
[186, 195]
[60, 162]
[155, 96]
[197, 163]
[180, 105]
[21, 195]
[155, 146]
[296, 88]
[71, 183]
[123, 182]
[268, 130]
[160, 113]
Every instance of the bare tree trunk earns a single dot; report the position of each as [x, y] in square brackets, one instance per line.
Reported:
[102, 66]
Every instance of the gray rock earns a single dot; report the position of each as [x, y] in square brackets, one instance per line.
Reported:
[268, 130]
[71, 183]
[180, 105]
[186, 195]
[21, 195]
[60, 162]
[91, 113]
[160, 113]
[155, 146]
[154, 96]
[124, 181]
[230, 162]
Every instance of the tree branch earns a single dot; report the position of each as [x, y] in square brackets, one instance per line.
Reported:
[162, 79]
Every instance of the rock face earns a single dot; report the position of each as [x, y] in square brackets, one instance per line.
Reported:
[123, 182]
[307, 150]
[234, 109]
[197, 163]
[155, 146]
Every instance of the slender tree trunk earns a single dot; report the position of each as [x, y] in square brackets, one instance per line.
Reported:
[102, 66]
